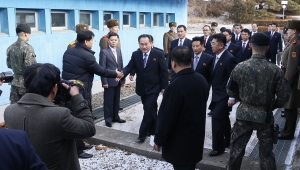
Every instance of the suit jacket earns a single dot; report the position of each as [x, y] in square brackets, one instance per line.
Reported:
[235, 51]
[52, 130]
[208, 49]
[247, 52]
[275, 43]
[180, 128]
[108, 61]
[187, 42]
[151, 79]
[233, 38]
[18, 152]
[221, 74]
[204, 66]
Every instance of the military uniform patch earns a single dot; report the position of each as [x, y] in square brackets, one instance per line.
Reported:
[294, 54]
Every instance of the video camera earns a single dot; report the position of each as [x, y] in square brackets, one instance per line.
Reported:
[63, 95]
[7, 77]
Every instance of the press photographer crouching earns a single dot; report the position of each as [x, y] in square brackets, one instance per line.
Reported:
[52, 130]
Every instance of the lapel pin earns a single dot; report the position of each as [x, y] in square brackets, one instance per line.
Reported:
[231, 51]
[220, 64]
[154, 59]
[204, 64]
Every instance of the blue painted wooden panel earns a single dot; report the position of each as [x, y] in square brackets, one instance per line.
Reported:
[50, 45]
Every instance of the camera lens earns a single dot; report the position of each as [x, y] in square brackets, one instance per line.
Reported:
[7, 76]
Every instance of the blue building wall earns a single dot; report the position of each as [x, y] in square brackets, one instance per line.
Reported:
[50, 45]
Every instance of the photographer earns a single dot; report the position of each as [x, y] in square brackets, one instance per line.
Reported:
[51, 129]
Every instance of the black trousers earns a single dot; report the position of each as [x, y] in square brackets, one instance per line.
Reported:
[272, 57]
[220, 125]
[290, 123]
[150, 114]
[184, 168]
[112, 103]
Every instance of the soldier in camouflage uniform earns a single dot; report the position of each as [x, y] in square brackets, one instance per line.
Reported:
[169, 37]
[19, 55]
[113, 26]
[291, 62]
[79, 27]
[257, 81]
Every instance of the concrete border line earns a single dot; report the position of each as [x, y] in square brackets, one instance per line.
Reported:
[293, 147]
[127, 141]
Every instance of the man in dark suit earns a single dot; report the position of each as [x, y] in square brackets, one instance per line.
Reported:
[245, 46]
[111, 58]
[231, 47]
[207, 39]
[236, 35]
[254, 29]
[275, 44]
[181, 41]
[17, 151]
[224, 62]
[202, 62]
[181, 118]
[151, 78]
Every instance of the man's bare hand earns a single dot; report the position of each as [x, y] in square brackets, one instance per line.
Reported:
[73, 90]
[231, 102]
[131, 78]
[1, 82]
[156, 147]
[105, 86]
[120, 74]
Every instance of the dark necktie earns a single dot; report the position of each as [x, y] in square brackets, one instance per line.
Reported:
[237, 38]
[145, 59]
[180, 42]
[244, 46]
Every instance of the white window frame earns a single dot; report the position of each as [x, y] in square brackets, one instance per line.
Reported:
[144, 16]
[66, 20]
[111, 17]
[157, 16]
[128, 20]
[91, 19]
[35, 18]
[168, 18]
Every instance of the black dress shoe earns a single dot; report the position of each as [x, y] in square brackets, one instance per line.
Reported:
[284, 137]
[87, 147]
[108, 124]
[121, 121]
[215, 153]
[84, 155]
[209, 113]
[141, 139]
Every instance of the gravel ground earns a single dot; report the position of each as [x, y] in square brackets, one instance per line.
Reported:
[116, 159]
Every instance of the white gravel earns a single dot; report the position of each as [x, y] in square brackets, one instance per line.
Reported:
[115, 159]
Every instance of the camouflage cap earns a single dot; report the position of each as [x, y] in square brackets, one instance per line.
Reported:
[172, 24]
[214, 24]
[112, 22]
[260, 39]
[80, 27]
[23, 28]
[285, 30]
[293, 24]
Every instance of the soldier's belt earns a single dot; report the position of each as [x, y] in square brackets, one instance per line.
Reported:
[252, 105]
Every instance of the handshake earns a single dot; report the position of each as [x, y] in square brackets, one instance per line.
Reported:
[119, 75]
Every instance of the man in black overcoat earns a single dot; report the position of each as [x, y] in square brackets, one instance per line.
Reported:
[180, 129]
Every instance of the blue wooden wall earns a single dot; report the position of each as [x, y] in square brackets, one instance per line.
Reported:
[50, 45]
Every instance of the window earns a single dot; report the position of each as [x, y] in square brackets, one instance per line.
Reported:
[59, 20]
[167, 19]
[156, 20]
[27, 17]
[106, 17]
[126, 19]
[85, 18]
[142, 19]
